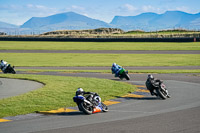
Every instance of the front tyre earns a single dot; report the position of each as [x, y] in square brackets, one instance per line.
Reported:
[104, 107]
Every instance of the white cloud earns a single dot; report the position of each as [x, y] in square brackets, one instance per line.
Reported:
[29, 5]
[74, 7]
[129, 7]
[130, 10]
[18, 14]
[39, 8]
[183, 8]
[149, 8]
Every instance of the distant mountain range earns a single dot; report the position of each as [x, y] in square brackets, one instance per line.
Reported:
[7, 25]
[153, 21]
[74, 21]
[69, 20]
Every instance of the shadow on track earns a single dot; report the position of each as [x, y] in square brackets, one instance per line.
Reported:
[62, 113]
[136, 98]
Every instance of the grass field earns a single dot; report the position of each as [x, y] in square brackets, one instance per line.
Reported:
[25, 45]
[69, 59]
[58, 92]
[109, 71]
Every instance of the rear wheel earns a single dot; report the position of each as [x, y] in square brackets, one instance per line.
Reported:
[161, 93]
[87, 109]
[127, 77]
[12, 70]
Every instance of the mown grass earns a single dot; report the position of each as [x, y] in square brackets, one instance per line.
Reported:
[70, 59]
[31, 45]
[109, 71]
[58, 92]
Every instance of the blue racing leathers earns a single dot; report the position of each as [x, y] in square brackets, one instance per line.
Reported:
[116, 70]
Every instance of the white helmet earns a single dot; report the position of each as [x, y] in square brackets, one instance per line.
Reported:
[97, 98]
[79, 90]
[150, 76]
[114, 65]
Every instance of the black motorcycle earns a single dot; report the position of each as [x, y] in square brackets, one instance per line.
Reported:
[160, 90]
[9, 69]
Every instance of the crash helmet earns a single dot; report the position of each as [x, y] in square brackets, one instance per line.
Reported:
[114, 65]
[97, 99]
[150, 76]
[79, 90]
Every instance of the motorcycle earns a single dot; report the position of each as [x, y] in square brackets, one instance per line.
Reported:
[9, 69]
[88, 105]
[162, 91]
[124, 74]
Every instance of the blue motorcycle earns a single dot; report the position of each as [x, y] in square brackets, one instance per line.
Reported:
[89, 105]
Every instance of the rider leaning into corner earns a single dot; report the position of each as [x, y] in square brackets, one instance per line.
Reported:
[116, 69]
[3, 65]
[81, 92]
[152, 83]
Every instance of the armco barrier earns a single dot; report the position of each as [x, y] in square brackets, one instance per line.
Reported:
[100, 39]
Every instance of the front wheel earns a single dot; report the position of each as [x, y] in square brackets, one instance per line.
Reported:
[104, 107]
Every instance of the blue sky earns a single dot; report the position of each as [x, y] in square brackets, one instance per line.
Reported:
[19, 11]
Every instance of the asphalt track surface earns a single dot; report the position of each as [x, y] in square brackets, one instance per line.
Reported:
[180, 113]
[14, 87]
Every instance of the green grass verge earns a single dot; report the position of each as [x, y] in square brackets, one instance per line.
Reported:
[31, 45]
[58, 92]
[108, 71]
[69, 59]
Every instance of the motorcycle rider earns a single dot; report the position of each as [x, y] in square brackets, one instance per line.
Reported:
[116, 69]
[3, 65]
[152, 83]
[81, 92]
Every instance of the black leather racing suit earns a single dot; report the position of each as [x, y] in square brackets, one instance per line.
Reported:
[152, 84]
